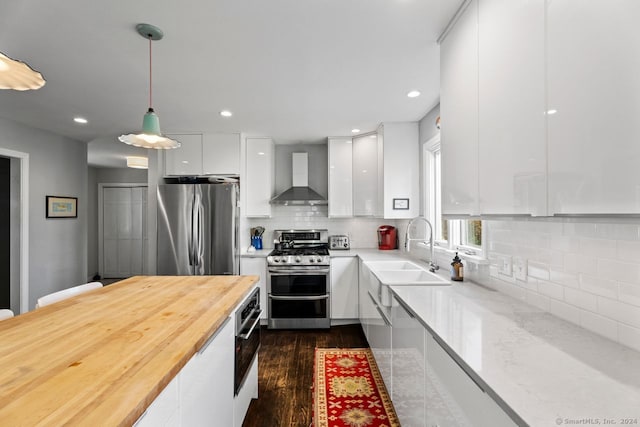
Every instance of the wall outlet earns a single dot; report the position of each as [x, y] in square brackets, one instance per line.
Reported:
[505, 265]
[520, 268]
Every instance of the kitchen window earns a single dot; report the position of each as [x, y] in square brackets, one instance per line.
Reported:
[462, 235]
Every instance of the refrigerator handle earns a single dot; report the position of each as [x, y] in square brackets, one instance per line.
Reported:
[198, 246]
[193, 247]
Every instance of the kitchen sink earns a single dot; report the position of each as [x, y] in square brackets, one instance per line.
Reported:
[393, 265]
[410, 277]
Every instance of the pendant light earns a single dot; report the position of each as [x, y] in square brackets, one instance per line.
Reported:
[17, 75]
[150, 137]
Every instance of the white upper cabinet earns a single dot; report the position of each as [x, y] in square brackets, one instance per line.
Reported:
[594, 89]
[208, 154]
[258, 181]
[366, 176]
[221, 154]
[186, 160]
[340, 177]
[459, 112]
[401, 169]
[511, 129]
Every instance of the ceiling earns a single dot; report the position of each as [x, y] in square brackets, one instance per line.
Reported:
[295, 70]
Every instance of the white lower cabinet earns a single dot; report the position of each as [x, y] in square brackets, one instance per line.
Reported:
[201, 394]
[257, 267]
[407, 367]
[164, 411]
[344, 288]
[452, 397]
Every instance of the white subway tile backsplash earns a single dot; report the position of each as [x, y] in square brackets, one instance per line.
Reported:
[581, 299]
[552, 290]
[575, 263]
[629, 293]
[565, 279]
[629, 336]
[619, 311]
[599, 324]
[585, 271]
[565, 311]
[539, 271]
[537, 300]
[601, 248]
[616, 270]
[599, 286]
[628, 251]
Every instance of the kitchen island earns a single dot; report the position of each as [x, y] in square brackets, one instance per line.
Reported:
[101, 358]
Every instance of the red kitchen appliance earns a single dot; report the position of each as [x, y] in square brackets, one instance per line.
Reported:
[387, 237]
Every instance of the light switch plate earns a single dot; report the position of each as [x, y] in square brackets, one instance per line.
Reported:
[505, 265]
[520, 268]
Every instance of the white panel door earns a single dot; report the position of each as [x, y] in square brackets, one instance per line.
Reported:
[221, 154]
[123, 231]
[344, 288]
[459, 112]
[186, 160]
[340, 177]
[512, 128]
[593, 86]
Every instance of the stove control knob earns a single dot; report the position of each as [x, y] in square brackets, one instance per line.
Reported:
[284, 259]
[276, 259]
[319, 259]
[298, 259]
[312, 260]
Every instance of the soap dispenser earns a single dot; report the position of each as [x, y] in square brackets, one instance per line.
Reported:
[457, 269]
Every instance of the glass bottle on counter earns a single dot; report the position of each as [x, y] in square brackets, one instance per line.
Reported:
[457, 269]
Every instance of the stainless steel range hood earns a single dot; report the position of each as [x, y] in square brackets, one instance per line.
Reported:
[300, 193]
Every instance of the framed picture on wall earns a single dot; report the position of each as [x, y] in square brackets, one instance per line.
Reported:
[401, 204]
[62, 207]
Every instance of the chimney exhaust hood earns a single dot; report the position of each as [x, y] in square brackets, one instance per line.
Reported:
[300, 193]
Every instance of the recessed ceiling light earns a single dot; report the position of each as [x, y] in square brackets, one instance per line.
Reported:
[226, 113]
[355, 130]
[80, 120]
[260, 153]
[552, 112]
[413, 94]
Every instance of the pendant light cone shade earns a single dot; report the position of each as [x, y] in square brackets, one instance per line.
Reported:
[17, 75]
[150, 137]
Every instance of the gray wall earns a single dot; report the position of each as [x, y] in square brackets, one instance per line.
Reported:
[428, 130]
[104, 176]
[57, 247]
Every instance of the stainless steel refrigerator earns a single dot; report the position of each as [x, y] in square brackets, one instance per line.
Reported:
[198, 229]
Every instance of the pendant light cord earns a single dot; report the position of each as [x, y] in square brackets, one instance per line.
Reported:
[150, 75]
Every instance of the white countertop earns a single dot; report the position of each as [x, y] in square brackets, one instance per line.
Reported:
[542, 367]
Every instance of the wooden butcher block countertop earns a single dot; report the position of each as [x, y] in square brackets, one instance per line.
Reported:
[101, 358]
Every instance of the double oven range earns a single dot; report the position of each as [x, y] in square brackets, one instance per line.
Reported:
[298, 283]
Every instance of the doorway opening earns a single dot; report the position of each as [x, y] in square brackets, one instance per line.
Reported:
[14, 227]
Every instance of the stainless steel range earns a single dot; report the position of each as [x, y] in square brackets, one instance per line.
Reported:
[298, 284]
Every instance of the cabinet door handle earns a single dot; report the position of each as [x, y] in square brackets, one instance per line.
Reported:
[384, 316]
[406, 308]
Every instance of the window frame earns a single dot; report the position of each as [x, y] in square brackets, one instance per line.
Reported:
[456, 228]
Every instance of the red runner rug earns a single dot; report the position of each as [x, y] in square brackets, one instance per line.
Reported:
[348, 390]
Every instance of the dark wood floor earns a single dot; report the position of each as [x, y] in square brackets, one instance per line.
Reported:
[286, 373]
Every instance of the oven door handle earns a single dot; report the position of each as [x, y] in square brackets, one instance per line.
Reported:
[248, 334]
[302, 272]
[300, 298]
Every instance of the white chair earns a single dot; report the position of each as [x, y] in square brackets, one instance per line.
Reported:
[5, 313]
[67, 293]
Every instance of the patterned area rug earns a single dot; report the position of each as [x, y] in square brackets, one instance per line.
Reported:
[348, 390]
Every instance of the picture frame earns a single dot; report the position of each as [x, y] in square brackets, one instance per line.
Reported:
[61, 207]
[401, 204]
